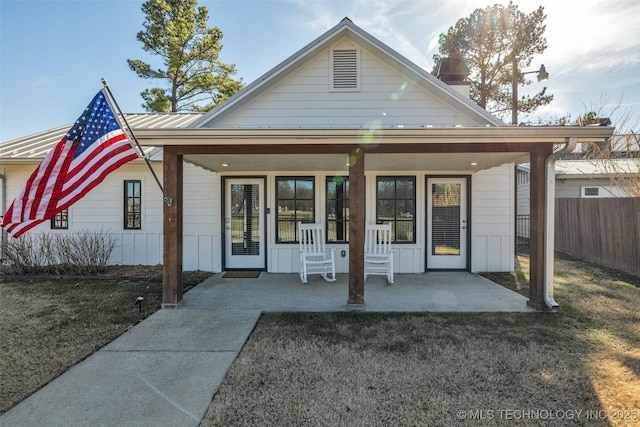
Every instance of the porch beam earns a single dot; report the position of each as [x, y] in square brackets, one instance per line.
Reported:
[381, 148]
[356, 229]
[172, 229]
[436, 148]
[537, 206]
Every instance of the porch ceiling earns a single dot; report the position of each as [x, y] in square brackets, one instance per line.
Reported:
[448, 162]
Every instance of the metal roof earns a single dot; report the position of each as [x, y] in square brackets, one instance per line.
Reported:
[37, 146]
[580, 168]
[602, 167]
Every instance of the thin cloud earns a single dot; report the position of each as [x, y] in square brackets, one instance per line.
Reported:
[45, 81]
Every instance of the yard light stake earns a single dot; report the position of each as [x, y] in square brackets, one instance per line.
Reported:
[139, 303]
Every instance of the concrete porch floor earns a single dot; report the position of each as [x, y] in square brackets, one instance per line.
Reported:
[442, 291]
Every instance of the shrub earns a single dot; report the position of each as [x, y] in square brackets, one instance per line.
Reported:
[86, 252]
[82, 253]
[21, 255]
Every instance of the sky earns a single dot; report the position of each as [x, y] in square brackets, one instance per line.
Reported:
[53, 53]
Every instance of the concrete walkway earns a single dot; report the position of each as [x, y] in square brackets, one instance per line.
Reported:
[165, 370]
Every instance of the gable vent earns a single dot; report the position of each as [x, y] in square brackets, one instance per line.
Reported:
[345, 69]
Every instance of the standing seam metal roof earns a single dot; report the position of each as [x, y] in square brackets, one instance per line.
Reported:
[38, 145]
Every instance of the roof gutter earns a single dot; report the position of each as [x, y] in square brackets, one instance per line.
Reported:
[329, 136]
[549, 225]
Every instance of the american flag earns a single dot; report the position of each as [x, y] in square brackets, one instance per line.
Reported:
[94, 147]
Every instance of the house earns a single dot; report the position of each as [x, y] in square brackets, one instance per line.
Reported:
[345, 132]
[582, 175]
[577, 176]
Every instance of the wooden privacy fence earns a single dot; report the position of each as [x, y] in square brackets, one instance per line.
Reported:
[603, 231]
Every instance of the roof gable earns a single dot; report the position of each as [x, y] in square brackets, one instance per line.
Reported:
[388, 91]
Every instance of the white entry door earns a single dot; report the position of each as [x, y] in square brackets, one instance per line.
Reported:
[447, 223]
[244, 223]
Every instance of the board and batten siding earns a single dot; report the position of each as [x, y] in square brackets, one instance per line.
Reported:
[492, 198]
[492, 219]
[285, 258]
[102, 210]
[492, 242]
[303, 99]
[202, 221]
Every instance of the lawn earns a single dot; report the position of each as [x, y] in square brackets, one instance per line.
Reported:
[48, 325]
[578, 367]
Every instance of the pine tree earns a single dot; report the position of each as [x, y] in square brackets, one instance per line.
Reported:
[178, 32]
[491, 41]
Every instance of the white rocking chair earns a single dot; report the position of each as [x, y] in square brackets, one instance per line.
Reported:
[314, 258]
[378, 256]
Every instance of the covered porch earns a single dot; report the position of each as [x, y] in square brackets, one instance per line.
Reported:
[453, 149]
[437, 291]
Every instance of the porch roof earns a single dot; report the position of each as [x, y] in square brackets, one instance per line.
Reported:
[390, 149]
[423, 135]
[444, 149]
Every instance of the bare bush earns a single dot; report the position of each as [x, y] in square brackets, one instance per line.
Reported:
[619, 157]
[86, 252]
[22, 255]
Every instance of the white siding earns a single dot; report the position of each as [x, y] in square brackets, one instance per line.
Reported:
[304, 99]
[492, 204]
[102, 209]
[202, 222]
[523, 195]
[284, 258]
[492, 219]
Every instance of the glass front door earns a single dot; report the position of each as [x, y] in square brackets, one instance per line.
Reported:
[244, 224]
[447, 223]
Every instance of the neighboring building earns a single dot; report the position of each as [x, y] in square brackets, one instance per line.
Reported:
[346, 131]
[576, 177]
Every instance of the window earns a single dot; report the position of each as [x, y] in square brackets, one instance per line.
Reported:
[337, 209]
[295, 201]
[396, 204]
[60, 221]
[344, 69]
[523, 177]
[132, 205]
[590, 191]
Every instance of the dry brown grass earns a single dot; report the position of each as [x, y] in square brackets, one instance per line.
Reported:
[582, 365]
[47, 326]
[376, 369]
[415, 369]
[610, 305]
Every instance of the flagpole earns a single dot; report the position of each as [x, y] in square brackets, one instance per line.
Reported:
[168, 200]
